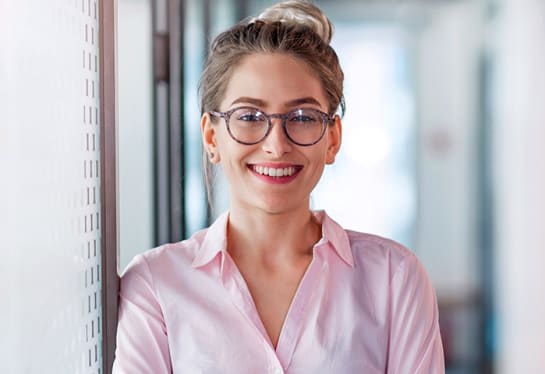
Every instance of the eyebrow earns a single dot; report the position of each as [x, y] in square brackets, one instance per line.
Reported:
[303, 100]
[249, 100]
[262, 103]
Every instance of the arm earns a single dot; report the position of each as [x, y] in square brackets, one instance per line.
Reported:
[142, 345]
[415, 341]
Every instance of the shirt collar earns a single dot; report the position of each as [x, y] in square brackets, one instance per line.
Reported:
[214, 242]
[215, 239]
[333, 233]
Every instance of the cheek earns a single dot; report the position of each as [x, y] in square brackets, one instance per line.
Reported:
[226, 147]
[232, 156]
[321, 154]
[318, 164]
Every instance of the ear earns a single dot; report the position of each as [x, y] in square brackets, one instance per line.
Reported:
[208, 134]
[334, 138]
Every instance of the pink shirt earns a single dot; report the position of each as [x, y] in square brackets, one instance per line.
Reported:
[364, 305]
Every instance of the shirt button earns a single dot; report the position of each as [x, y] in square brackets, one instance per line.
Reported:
[278, 371]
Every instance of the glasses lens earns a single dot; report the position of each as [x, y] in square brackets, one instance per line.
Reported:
[248, 125]
[305, 126]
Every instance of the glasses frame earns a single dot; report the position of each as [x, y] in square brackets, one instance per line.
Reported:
[326, 120]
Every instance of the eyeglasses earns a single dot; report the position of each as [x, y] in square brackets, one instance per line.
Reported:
[247, 125]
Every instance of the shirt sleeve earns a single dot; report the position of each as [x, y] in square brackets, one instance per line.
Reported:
[142, 344]
[415, 340]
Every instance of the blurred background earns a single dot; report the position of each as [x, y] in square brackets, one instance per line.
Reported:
[443, 151]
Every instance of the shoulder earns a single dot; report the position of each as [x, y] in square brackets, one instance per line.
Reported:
[384, 263]
[374, 249]
[159, 261]
[373, 256]
[376, 254]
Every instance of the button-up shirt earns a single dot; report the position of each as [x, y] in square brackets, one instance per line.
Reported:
[364, 305]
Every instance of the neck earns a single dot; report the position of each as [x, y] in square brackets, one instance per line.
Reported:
[271, 238]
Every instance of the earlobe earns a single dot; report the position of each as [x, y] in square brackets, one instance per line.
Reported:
[208, 134]
[334, 140]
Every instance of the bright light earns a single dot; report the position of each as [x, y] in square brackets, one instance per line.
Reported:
[367, 145]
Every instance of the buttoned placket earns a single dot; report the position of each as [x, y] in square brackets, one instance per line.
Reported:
[294, 322]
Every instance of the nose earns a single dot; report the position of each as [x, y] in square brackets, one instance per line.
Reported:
[277, 143]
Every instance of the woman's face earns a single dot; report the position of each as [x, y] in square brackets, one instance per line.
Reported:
[273, 83]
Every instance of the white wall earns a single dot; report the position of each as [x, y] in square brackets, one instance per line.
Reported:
[519, 153]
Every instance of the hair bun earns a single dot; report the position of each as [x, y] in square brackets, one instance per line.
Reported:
[299, 12]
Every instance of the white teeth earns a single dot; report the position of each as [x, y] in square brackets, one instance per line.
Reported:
[273, 172]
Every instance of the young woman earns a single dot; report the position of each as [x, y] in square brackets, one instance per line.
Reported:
[271, 286]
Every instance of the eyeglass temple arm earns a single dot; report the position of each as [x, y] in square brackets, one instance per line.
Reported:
[216, 114]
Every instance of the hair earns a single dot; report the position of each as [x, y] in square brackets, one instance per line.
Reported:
[293, 27]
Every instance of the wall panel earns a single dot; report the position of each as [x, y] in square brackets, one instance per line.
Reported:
[50, 192]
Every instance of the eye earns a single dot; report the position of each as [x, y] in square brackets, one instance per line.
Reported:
[303, 117]
[246, 115]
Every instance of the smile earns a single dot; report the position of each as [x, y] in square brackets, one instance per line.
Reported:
[274, 172]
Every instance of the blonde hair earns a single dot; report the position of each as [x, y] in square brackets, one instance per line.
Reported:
[294, 27]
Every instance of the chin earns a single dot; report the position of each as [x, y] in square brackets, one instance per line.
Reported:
[280, 207]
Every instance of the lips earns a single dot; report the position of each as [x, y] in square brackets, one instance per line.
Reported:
[275, 173]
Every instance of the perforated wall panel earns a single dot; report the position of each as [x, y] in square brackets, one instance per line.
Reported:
[50, 195]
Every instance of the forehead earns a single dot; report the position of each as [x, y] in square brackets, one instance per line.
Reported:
[277, 80]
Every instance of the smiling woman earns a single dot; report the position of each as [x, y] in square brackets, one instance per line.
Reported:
[272, 286]
[275, 83]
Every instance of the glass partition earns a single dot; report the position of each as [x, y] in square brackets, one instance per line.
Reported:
[51, 217]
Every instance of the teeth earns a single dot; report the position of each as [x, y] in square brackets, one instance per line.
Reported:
[273, 172]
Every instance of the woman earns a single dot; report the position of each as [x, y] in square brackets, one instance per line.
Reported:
[272, 287]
